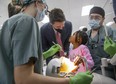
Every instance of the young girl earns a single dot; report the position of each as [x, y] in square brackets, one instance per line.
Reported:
[80, 50]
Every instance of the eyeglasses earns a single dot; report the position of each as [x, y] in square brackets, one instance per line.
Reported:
[96, 17]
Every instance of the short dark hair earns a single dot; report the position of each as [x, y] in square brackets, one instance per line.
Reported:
[56, 14]
[83, 35]
[13, 9]
[97, 10]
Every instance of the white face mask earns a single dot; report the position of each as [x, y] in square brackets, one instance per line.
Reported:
[94, 24]
[40, 15]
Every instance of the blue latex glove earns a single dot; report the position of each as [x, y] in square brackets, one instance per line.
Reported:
[82, 78]
[54, 49]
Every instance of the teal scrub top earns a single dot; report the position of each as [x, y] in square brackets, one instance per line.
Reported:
[19, 41]
[96, 45]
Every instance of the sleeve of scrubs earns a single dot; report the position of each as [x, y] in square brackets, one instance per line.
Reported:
[24, 40]
[110, 32]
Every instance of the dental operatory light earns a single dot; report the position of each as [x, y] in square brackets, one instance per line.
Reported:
[86, 10]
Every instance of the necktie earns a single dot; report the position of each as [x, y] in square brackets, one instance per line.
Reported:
[58, 38]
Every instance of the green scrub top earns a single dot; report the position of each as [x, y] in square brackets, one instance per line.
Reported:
[19, 41]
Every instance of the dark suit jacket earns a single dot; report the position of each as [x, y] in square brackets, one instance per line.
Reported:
[114, 6]
[48, 36]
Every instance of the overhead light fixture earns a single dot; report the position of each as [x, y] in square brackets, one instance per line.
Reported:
[86, 10]
[45, 20]
[110, 23]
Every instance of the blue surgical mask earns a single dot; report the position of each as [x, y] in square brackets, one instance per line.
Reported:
[94, 24]
[40, 15]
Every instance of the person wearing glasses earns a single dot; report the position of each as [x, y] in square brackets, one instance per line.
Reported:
[21, 52]
[96, 38]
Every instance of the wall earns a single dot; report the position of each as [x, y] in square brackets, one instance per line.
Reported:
[3, 11]
[72, 10]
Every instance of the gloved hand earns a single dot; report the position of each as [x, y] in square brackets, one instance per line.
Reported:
[82, 78]
[54, 49]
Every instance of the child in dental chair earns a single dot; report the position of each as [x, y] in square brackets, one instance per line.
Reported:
[80, 50]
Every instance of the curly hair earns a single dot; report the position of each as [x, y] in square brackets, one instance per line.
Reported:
[83, 35]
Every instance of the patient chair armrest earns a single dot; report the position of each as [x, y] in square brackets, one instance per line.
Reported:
[113, 60]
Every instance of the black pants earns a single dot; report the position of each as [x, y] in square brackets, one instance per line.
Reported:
[114, 6]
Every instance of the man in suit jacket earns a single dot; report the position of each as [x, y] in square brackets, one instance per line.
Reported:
[59, 24]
